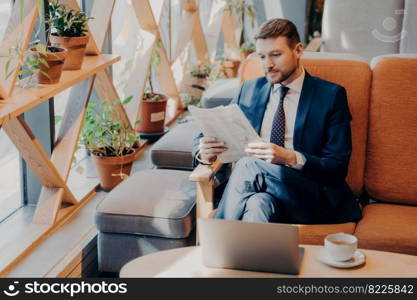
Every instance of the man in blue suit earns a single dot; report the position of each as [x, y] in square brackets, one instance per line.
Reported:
[298, 174]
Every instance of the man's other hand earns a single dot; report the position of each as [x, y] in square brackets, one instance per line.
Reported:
[210, 148]
[272, 153]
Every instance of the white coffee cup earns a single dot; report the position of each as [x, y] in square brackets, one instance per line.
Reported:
[340, 246]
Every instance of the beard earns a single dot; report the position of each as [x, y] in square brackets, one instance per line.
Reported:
[275, 76]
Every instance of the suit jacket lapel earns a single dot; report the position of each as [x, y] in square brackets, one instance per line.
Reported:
[304, 105]
[260, 106]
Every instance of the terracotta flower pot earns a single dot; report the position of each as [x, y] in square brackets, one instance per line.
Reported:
[108, 168]
[194, 86]
[231, 67]
[76, 49]
[152, 115]
[245, 54]
[55, 60]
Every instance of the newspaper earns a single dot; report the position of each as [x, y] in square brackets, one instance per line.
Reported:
[228, 124]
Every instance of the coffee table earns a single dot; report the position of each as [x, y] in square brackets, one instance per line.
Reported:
[187, 262]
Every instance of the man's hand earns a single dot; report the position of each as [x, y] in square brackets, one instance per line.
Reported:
[210, 148]
[272, 153]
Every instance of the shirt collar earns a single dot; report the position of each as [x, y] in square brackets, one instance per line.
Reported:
[295, 85]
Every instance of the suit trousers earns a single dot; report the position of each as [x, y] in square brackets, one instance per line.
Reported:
[258, 191]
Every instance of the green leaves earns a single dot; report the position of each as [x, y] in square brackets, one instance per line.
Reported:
[104, 133]
[247, 46]
[127, 100]
[67, 22]
[241, 8]
[202, 70]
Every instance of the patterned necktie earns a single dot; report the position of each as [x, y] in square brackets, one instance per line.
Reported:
[278, 124]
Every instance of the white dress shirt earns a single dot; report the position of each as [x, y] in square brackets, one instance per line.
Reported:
[290, 107]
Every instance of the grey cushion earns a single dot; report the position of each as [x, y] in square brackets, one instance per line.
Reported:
[409, 33]
[220, 92]
[173, 150]
[151, 202]
[365, 27]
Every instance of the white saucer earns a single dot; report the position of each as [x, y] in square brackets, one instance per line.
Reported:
[357, 259]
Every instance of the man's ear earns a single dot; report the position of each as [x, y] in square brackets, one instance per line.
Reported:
[299, 49]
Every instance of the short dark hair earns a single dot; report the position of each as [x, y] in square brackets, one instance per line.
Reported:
[279, 27]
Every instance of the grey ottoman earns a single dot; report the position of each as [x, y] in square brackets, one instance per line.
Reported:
[153, 210]
[173, 150]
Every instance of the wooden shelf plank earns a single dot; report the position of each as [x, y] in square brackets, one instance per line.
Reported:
[23, 99]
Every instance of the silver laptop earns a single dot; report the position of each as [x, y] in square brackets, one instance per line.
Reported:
[262, 247]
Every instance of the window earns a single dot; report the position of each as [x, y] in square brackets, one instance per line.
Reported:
[10, 187]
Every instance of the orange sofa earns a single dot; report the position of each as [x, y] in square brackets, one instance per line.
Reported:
[383, 165]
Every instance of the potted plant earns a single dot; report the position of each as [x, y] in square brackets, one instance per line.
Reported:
[153, 105]
[113, 145]
[50, 62]
[38, 64]
[246, 49]
[197, 80]
[243, 10]
[68, 30]
[231, 62]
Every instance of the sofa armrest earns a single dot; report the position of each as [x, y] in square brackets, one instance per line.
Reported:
[205, 173]
[203, 176]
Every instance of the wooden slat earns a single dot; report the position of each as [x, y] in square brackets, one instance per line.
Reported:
[72, 121]
[166, 78]
[18, 33]
[157, 8]
[199, 41]
[188, 21]
[24, 99]
[143, 10]
[49, 203]
[136, 84]
[92, 47]
[189, 5]
[99, 26]
[231, 30]
[106, 91]
[33, 153]
[145, 15]
[214, 26]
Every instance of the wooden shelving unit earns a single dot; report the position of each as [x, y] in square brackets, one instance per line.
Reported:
[24, 99]
[58, 202]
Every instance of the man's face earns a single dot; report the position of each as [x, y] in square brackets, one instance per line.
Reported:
[278, 59]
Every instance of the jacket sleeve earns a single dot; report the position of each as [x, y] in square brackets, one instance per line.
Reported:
[196, 141]
[331, 165]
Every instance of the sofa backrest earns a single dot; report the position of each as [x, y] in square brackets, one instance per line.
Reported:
[354, 74]
[365, 27]
[391, 157]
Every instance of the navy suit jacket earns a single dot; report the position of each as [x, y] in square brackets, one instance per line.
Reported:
[321, 133]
